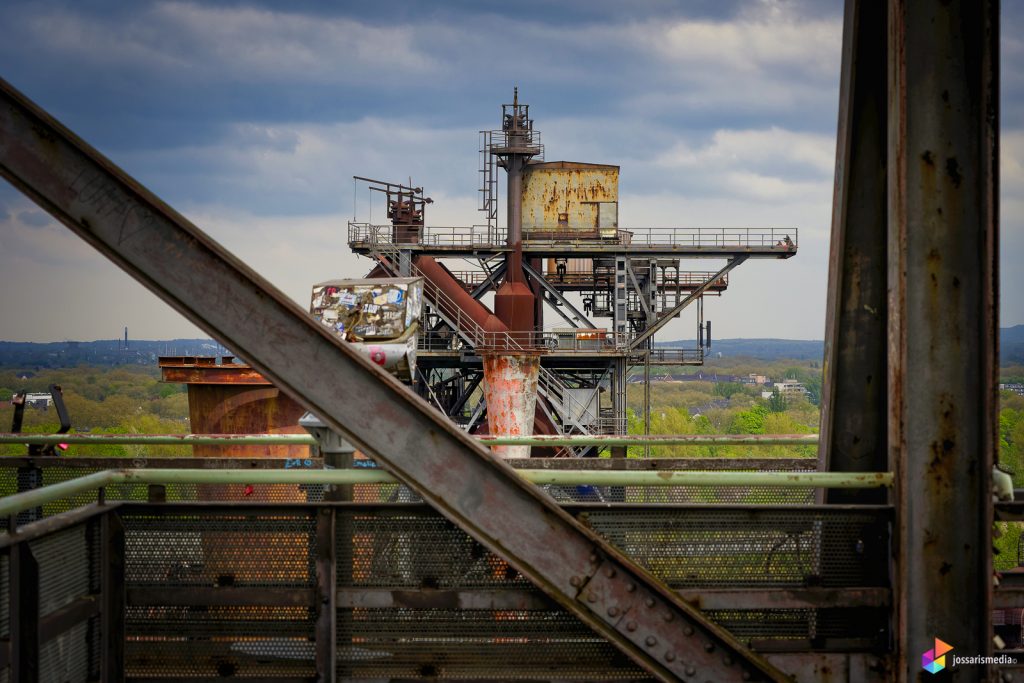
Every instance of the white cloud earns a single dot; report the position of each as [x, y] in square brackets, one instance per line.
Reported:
[753, 45]
[767, 147]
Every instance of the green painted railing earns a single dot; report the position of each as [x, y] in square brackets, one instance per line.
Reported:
[20, 502]
[308, 440]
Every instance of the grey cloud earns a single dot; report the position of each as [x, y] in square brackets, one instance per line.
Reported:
[34, 218]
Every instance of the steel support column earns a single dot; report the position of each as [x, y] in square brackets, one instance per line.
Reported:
[853, 407]
[112, 593]
[23, 601]
[943, 220]
[325, 609]
[455, 475]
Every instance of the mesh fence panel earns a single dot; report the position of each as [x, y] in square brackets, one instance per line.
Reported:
[227, 550]
[735, 548]
[403, 643]
[404, 548]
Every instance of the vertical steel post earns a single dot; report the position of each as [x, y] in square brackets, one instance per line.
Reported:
[854, 402]
[326, 608]
[112, 592]
[943, 220]
[647, 401]
[24, 614]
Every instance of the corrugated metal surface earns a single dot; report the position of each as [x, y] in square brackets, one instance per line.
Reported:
[568, 198]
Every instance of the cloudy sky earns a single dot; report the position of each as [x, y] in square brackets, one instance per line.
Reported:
[251, 116]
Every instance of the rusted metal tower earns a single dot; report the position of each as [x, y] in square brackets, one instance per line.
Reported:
[562, 251]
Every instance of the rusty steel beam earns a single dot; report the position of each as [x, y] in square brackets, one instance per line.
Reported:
[525, 599]
[453, 473]
[854, 402]
[943, 225]
[690, 298]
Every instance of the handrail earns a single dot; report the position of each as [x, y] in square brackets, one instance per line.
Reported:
[159, 439]
[781, 240]
[308, 440]
[12, 505]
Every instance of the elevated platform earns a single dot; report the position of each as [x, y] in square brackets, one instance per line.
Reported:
[479, 240]
[577, 281]
[562, 358]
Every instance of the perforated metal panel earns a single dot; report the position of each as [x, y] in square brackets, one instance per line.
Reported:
[177, 553]
[254, 641]
[414, 548]
[414, 561]
[474, 644]
[696, 547]
[220, 550]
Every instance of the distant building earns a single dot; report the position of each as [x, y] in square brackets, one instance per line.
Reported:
[791, 388]
[40, 400]
[753, 378]
[1014, 387]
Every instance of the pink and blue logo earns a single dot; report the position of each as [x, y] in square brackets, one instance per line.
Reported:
[933, 661]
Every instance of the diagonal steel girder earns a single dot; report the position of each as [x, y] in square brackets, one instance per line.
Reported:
[690, 298]
[457, 476]
[580, 319]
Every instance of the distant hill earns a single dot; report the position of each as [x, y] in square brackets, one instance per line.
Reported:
[29, 355]
[762, 349]
[143, 352]
[1011, 347]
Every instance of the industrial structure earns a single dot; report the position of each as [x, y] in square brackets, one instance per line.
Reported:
[561, 237]
[444, 562]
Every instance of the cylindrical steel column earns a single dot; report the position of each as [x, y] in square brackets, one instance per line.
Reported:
[510, 389]
[943, 189]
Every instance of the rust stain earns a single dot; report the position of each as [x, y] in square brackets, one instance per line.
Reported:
[510, 390]
[953, 171]
[561, 188]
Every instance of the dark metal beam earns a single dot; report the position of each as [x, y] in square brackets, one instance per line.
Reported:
[324, 608]
[525, 599]
[63, 618]
[854, 402]
[460, 403]
[456, 475]
[490, 281]
[943, 224]
[222, 596]
[112, 594]
[696, 293]
[23, 611]
[55, 523]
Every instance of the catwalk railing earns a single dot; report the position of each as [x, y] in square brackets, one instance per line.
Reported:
[778, 241]
[288, 572]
